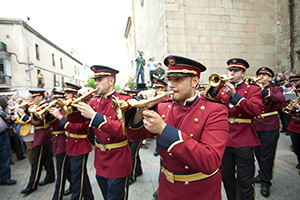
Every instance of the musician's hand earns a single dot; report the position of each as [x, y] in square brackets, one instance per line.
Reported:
[229, 89]
[56, 113]
[147, 94]
[86, 110]
[153, 122]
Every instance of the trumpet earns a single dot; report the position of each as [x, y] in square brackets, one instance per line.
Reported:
[292, 89]
[27, 104]
[252, 80]
[215, 80]
[40, 112]
[288, 109]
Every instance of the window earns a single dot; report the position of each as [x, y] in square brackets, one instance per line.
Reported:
[53, 60]
[37, 52]
[62, 81]
[5, 71]
[75, 70]
[55, 82]
[78, 71]
[61, 63]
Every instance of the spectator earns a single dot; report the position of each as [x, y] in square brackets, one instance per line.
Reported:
[159, 72]
[140, 63]
[152, 67]
[5, 151]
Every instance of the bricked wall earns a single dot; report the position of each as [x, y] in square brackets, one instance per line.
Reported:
[212, 31]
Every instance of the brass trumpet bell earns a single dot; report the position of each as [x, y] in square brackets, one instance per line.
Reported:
[252, 80]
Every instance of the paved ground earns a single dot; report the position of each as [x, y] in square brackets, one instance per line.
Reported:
[286, 182]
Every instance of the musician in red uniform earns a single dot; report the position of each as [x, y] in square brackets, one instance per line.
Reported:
[112, 152]
[294, 126]
[42, 155]
[192, 135]
[244, 102]
[59, 150]
[267, 128]
[78, 146]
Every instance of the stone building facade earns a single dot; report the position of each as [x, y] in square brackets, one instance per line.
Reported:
[212, 31]
[24, 53]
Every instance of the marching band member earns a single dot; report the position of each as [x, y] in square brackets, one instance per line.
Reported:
[243, 102]
[267, 128]
[42, 155]
[294, 126]
[78, 146]
[112, 152]
[192, 133]
[59, 150]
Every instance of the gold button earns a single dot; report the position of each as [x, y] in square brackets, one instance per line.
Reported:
[240, 115]
[108, 139]
[186, 167]
[99, 129]
[66, 140]
[75, 140]
[98, 100]
[222, 92]
[169, 106]
[163, 116]
[94, 108]
[245, 92]
[191, 135]
[186, 183]
[202, 107]
[170, 154]
[196, 120]
[95, 136]
[109, 117]
[248, 85]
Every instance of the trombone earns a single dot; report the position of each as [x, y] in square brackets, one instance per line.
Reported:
[215, 80]
[288, 109]
[40, 112]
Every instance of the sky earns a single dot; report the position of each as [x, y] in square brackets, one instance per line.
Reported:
[93, 28]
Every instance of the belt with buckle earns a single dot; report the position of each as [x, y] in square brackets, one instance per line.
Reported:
[232, 120]
[186, 178]
[58, 132]
[296, 118]
[76, 136]
[267, 114]
[104, 147]
[41, 127]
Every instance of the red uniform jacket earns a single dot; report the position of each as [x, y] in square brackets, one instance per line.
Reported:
[113, 163]
[294, 125]
[245, 104]
[75, 123]
[272, 99]
[42, 134]
[58, 137]
[196, 146]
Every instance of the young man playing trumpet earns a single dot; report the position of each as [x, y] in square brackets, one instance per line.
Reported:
[42, 155]
[192, 133]
[243, 102]
[112, 152]
[267, 128]
[78, 146]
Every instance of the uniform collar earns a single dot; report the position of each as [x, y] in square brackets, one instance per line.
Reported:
[190, 101]
[109, 95]
[239, 84]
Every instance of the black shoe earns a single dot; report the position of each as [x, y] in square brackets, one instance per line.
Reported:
[22, 158]
[138, 174]
[287, 133]
[155, 194]
[298, 166]
[67, 192]
[27, 191]
[265, 191]
[155, 153]
[8, 182]
[257, 179]
[42, 183]
[131, 181]
[282, 131]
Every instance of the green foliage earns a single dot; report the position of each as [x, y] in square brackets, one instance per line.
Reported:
[91, 82]
[116, 87]
[131, 82]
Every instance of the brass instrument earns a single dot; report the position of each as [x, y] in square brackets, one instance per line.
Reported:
[27, 104]
[215, 80]
[120, 106]
[252, 80]
[288, 109]
[40, 112]
[292, 89]
[66, 105]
